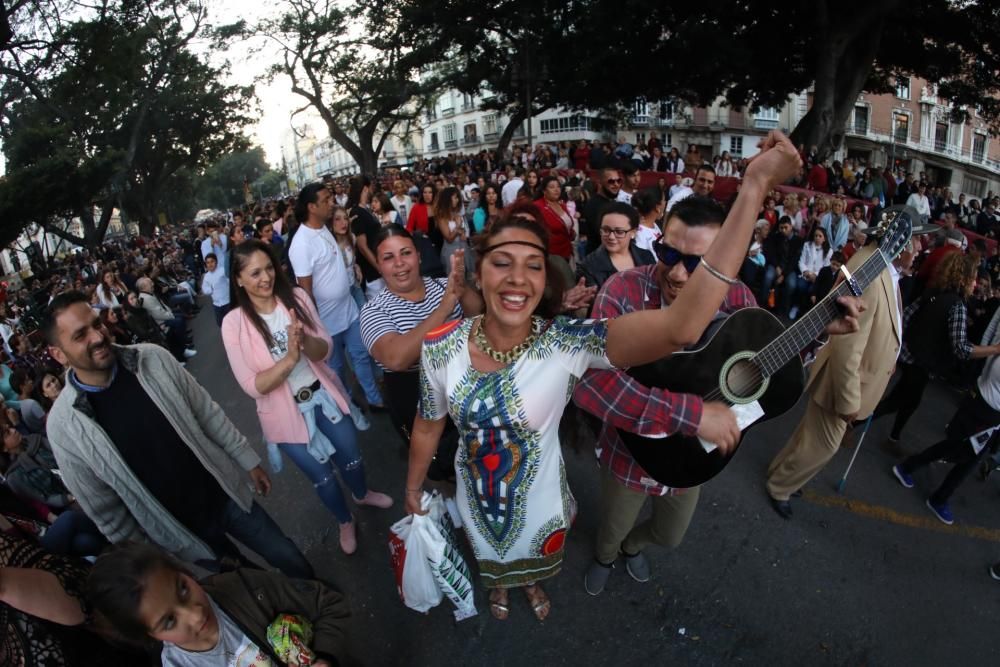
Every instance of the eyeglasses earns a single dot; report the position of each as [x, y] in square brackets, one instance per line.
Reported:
[618, 233]
[612, 181]
[670, 256]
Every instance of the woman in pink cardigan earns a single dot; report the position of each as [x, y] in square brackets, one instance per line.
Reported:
[278, 355]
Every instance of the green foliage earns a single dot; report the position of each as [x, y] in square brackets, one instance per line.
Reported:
[105, 111]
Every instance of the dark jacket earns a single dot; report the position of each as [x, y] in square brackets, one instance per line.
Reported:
[927, 336]
[590, 222]
[255, 598]
[596, 268]
[783, 252]
[30, 474]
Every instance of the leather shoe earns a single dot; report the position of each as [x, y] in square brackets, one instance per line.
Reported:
[782, 507]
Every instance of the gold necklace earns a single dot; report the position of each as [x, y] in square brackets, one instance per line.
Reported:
[511, 355]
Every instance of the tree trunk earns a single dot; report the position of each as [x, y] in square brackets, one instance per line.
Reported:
[508, 132]
[844, 63]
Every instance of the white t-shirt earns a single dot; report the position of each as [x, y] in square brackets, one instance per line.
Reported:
[277, 323]
[217, 284]
[402, 205]
[645, 237]
[314, 253]
[625, 197]
[234, 649]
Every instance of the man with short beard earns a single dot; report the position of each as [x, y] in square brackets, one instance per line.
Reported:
[149, 455]
[593, 210]
[704, 183]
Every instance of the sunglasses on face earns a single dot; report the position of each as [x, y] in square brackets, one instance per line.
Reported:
[670, 256]
[612, 181]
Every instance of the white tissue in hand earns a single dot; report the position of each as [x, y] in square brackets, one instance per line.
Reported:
[746, 414]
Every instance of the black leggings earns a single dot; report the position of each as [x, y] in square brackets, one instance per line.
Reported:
[974, 415]
[904, 398]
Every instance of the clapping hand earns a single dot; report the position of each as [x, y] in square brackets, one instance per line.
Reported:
[578, 296]
[295, 335]
[456, 274]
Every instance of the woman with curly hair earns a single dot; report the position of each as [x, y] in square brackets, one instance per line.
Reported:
[934, 339]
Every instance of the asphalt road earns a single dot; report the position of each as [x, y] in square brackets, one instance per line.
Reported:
[866, 578]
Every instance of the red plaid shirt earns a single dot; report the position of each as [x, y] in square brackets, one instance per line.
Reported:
[619, 401]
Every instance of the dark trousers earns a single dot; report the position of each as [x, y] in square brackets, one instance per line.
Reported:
[257, 531]
[221, 312]
[904, 399]
[402, 394]
[974, 415]
[73, 534]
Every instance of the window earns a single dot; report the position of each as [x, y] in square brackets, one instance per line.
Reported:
[766, 118]
[449, 132]
[565, 124]
[640, 111]
[903, 87]
[901, 126]
[640, 138]
[736, 146]
[666, 110]
[490, 124]
[434, 141]
[978, 147]
[860, 120]
[467, 102]
[974, 187]
[940, 136]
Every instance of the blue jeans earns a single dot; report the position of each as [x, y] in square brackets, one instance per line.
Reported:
[784, 293]
[347, 458]
[350, 338]
[258, 531]
[73, 534]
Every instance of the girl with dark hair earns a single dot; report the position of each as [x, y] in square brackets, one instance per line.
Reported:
[489, 208]
[340, 227]
[151, 601]
[619, 251]
[365, 227]
[48, 385]
[382, 209]
[448, 218]
[115, 324]
[557, 218]
[503, 378]
[277, 349]
[421, 216]
[815, 255]
[651, 204]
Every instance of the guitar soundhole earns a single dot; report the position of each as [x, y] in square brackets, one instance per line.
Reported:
[743, 380]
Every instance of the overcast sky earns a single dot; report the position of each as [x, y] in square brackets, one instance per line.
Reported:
[276, 100]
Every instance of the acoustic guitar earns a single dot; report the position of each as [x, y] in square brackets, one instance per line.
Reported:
[749, 359]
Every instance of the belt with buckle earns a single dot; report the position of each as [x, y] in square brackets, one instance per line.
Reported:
[304, 394]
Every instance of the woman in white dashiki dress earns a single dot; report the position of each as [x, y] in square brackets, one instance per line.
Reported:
[506, 377]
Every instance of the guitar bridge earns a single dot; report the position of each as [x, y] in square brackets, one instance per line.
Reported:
[852, 284]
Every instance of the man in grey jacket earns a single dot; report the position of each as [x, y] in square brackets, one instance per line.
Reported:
[147, 452]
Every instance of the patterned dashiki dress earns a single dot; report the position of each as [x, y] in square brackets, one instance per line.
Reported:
[512, 491]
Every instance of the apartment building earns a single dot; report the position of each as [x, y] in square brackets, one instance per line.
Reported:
[911, 128]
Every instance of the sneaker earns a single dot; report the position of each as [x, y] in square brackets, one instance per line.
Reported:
[994, 572]
[637, 567]
[596, 577]
[941, 511]
[903, 478]
[190, 352]
[375, 499]
[348, 538]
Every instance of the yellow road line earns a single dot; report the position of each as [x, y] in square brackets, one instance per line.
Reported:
[881, 513]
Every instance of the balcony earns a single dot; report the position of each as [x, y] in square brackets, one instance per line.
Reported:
[765, 123]
[470, 140]
[491, 136]
[450, 143]
[468, 106]
[666, 121]
[450, 111]
[902, 139]
[518, 132]
[435, 146]
[640, 119]
[431, 116]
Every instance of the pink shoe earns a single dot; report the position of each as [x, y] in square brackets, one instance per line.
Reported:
[375, 499]
[348, 538]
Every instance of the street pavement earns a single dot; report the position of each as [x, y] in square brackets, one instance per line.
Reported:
[869, 577]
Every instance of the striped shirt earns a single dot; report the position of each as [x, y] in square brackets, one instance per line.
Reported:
[390, 313]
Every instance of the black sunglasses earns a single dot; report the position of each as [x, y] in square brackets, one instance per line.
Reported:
[670, 256]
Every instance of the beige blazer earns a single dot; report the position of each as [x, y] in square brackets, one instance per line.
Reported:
[851, 372]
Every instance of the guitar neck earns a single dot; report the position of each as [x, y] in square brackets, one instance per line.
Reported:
[785, 347]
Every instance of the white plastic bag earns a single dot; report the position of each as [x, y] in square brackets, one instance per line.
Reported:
[427, 561]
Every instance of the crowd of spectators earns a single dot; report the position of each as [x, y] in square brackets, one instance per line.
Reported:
[362, 269]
